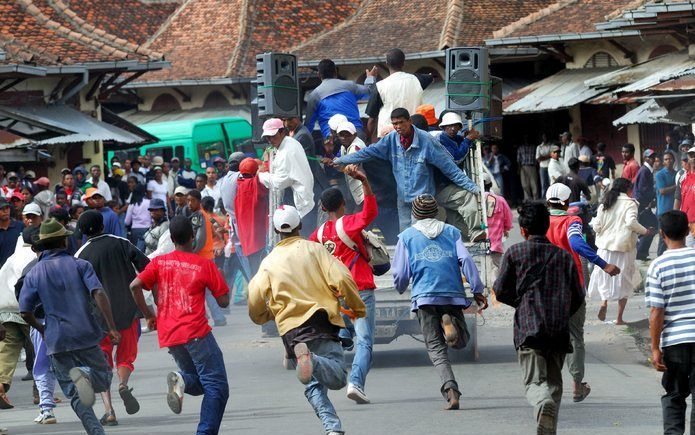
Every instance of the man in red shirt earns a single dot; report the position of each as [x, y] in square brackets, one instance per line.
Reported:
[355, 257]
[181, 278]
[631, 167]
[687, 197]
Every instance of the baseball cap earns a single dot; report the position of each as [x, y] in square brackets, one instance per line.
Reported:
[584, 158]
[182, 190]
[236, 156]
[156, 204]
[3, 202]
[175, 159]
[12, 175]
[346, 126]
[91, 192]
[558, 193]
[272, 126]
[648, 152]
[218, 160]
[18, 195]
[554, 148]
[286, 218]
[43, 181]
[157, 161]
[115, 165]
[686, 141]
[30, 174]
[65, 171]
[335, 120]
[451, 118]
[32, 208]
[691, 150]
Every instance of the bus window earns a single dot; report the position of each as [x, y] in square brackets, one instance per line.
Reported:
[179, 152]
[208, 151]
[167, 153]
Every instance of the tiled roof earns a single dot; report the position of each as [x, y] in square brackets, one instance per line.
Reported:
[133, 20]
[566, 16]
[47, 32]
[419, 26]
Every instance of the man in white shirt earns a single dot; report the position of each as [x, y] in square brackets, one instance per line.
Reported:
[351, 143]
[556, 167]
[212, 189]
[289, 167]
[543, 158]
[569, 148]
[100, 185]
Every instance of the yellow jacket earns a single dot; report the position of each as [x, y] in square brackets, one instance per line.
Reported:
[297, 279]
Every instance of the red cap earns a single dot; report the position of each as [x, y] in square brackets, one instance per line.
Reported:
[43, 181]
[248, 166]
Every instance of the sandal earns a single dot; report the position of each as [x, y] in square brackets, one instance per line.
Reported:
[602, 312]
[583, 393]
[131, 404]
[109, 419]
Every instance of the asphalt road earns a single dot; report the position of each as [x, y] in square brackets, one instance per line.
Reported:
[265, 399]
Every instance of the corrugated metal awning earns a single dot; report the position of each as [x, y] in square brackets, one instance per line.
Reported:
[559, 91]
[661, 69]
[74, 126]
[633, 73]
[649, 112]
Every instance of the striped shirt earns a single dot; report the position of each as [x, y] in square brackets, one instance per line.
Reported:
[671, 286]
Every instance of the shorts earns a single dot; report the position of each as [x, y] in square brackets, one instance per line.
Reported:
[126, 350]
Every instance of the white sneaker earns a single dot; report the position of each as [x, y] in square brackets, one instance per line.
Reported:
[357, 394]
[175, 394]
[46, 417]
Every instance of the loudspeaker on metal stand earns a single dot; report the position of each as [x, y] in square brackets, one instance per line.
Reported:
[468, 85]
[278, 86]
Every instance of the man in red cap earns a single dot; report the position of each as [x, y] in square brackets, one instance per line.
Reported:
[44, 197]
[251, 205]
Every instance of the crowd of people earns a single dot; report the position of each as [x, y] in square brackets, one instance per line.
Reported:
[88, 260]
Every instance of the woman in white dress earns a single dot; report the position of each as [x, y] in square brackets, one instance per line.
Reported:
[616, 230]
[159, 186]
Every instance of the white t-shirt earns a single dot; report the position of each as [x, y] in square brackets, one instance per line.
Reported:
[158, 190]
[213, 192]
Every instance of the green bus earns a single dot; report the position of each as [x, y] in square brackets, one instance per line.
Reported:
[200, 140]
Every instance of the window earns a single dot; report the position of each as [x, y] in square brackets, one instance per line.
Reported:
[208, 151]
[167, 153]
[600, 60]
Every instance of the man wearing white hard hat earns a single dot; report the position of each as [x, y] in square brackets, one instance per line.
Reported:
[456, 143]
[351, 143]
[297, 285]
[289, 166]
[566, 232]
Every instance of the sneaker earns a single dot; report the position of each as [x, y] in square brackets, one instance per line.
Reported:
[28, 377]
[305, 367]
[175, 394]
[46, 417]
[546, 418]
[347, 343]
[131, 404]
[451, 334]
[357, 394]
[85, 391]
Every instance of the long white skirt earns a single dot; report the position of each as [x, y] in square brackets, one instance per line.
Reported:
[612, 288]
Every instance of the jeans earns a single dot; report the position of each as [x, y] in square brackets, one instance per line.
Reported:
[91, 361]
[215, 310]
[499, 179]
[575, 360]
[430, 318]
[43, 376]
[232, 267]
[545, 181]
[137, 237]
[201, 365]
[329, 374]
[405, 215]
[649, 220]
[364, 332]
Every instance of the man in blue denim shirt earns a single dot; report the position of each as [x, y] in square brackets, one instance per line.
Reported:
[414, 154]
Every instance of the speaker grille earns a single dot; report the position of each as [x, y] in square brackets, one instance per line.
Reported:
[285, 93]
[464, 87]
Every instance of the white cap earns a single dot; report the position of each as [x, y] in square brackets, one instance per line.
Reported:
[182, 190]
[346, 126]
[558, 193]
[691, 150]
[451, 118]
[157, 161]
[288, 217]
[114, 165]
[32, 208]
[335, 120]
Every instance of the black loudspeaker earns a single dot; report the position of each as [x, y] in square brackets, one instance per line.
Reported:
[256, 120]
[468, 84]
[491, 125]
[278, 87]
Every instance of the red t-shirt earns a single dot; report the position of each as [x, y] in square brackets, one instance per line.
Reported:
[630, 170]
[557, 234]
[353, 224]
[688, 196]
[181, 279]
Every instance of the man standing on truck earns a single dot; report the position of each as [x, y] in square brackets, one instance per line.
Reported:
[333, 235]
[432, 254]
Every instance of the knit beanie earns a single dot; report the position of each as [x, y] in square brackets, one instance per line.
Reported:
[425, 207]
[90, 222]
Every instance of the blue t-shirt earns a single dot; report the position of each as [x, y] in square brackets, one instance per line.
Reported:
[64, 286]
[664, 178]
[8, 239]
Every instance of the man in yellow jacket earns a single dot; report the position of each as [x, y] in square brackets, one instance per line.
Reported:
[299, 284]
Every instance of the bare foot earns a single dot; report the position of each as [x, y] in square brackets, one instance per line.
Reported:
[602, 313]
[620, 322]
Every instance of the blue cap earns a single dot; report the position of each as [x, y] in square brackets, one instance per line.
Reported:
[156, 204]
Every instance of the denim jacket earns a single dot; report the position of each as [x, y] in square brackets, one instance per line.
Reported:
[413, 168]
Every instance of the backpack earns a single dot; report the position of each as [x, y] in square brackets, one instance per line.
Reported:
[377, 255]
